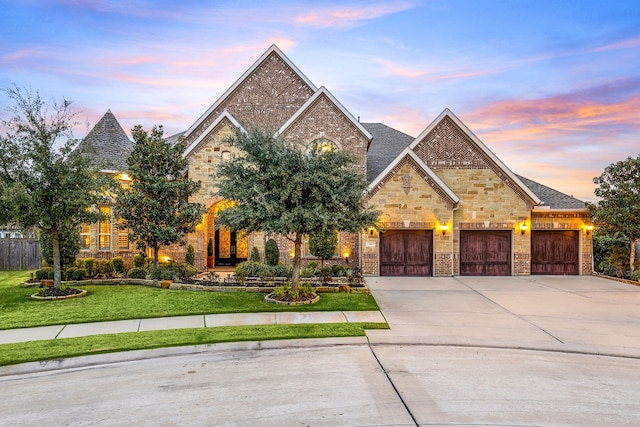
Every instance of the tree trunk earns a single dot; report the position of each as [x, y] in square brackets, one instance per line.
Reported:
[297, 258]
[156, 249]
[57, 270]
[632, 255]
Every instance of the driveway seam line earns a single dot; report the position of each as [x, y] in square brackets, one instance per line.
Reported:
[395, 389]
[508, 311]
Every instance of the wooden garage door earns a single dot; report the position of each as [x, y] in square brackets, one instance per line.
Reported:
[406, 253]
[555, 252]
[485, 253]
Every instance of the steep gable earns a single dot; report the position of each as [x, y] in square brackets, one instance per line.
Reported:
[224, 119]
[107, 144]
[408, 157]
[448, 144]
[266, 95]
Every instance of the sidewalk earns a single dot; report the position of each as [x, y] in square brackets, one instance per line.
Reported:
[9, 336]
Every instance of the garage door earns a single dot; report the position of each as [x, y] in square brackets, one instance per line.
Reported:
[406, 253]
[485, 253]
[555, 252]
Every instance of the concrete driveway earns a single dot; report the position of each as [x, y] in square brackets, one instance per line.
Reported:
[461, 351]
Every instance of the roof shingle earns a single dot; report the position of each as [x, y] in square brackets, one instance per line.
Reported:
[107, 144]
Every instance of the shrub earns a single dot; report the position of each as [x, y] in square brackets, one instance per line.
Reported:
[338, 270]
[326, 273]
[156, 274]
[190, 256]
[185, 271]
[45, 273]
[139, 261]
[137, 273]
[635, 275]
[309, 270]
[166, 274]
[91, 266]
[105, 267]
[68, 273]
[281, 270]
[79, 262]
[118, 264]
[252, 269]
[255, 255]
[272, 253]
[79, 274]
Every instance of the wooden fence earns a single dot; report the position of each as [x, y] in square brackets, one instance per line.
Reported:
[20, 254]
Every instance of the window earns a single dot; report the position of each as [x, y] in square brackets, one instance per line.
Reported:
[85, 237]
[104, 229]
[322, 145]
[123, 237]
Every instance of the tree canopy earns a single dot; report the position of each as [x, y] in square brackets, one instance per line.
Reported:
[281, 189]
[618, 208]
[155, 207]
[45, 181]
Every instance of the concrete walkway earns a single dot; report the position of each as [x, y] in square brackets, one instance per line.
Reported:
[9, 336]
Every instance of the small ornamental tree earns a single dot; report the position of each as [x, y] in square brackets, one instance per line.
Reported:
[323, 245]
[45, 181]
[271, 253]
[155, 207]
[281, 189]
[618, 208]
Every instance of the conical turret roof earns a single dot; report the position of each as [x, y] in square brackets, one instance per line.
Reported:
[107, 144]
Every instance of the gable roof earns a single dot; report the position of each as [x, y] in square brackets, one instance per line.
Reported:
[386, 144]
[107, 144]
[243, 77]
[409, 156]
[323, 91]
[497, 165]
[551, 198]
[225, 115]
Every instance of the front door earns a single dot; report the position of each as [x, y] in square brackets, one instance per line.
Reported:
[230, 247]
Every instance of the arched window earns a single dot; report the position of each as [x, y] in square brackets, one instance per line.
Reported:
[323, 145]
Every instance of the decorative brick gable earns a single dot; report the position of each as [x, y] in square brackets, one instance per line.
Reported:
[267, 98]
[447, 146]
[323, 119]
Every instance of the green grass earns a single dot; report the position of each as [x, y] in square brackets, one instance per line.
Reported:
[106, 303]
[11, 354]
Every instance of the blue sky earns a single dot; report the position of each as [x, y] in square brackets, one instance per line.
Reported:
[551, 87]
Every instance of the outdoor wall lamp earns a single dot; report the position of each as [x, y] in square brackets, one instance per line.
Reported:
[444, 228]
[589, 229]
[523, 228]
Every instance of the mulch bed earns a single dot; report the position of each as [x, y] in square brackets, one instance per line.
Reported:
[53, 292]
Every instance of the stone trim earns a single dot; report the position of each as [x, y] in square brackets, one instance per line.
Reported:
[408, 225]
[556, 225]
[487, 225]
[407, 159]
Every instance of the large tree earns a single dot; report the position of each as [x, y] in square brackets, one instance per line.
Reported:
[155, 207]
[618, 207]
[281, 189]
[45, 181]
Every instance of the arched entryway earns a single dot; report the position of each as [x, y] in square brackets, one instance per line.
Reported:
[229, 247]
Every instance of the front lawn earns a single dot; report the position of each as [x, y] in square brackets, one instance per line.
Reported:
[11, 354]
[105, 303]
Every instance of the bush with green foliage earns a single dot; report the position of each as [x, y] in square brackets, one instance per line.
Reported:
[105, 267]
[139, 261]
[309, 270]
[185, 271]
[323, 245]
[190, 256]
[45, 273]
[338, 270]
[251, 269]
[68, 273]
[271, 253]
[137, 273]
[69, 245]
[326, 273]
[255, 255]
[91, 265]
[118, 264]
[79, 274]
[282, 270]
[635, 275]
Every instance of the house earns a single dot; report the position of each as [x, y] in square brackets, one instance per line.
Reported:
[449, 205]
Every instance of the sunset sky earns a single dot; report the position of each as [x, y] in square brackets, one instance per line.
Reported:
[551, 87]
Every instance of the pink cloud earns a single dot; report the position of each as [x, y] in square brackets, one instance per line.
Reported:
[398, 70]
[348, 16]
